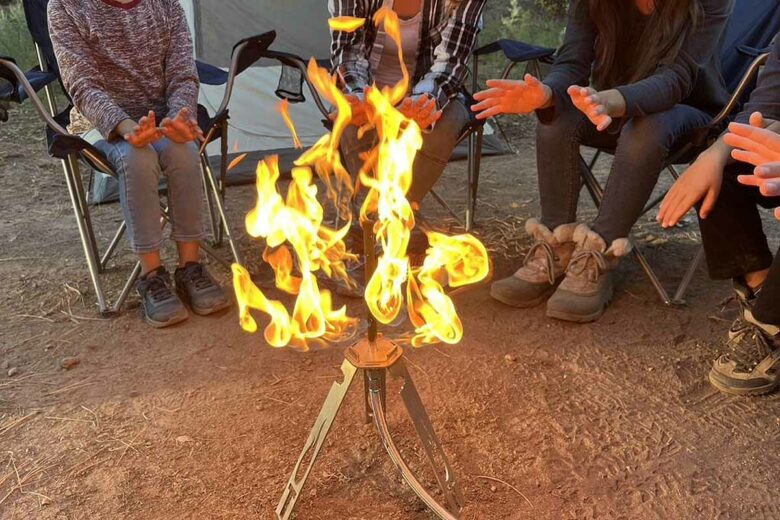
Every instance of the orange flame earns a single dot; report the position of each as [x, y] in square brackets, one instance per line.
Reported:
[235, 162]
[283, 108]
[346, 23]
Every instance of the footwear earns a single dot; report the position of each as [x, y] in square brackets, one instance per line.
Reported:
[587, 287]
[199, 290]
[752, 365]
[542, 269]
[160, 304]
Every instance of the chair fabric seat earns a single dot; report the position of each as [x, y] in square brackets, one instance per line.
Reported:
[37, 78]
[516, 51]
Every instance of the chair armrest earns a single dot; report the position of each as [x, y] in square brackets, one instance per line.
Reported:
[746, 80]
[14, 93]
[517, 51]
[752, 51]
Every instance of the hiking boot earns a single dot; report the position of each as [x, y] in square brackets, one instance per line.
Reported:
[199, 290]
[160, 304]
[543, 267]
[587, 287]
[752, 364]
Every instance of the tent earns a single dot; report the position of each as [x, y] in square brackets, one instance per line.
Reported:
[255, 126]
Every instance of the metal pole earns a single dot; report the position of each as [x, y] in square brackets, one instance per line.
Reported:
[370, 266]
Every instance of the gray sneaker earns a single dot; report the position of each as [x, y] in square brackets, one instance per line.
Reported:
[752, 364]
[160, 304]
[199, 290]
[587, 288]
[542, 269]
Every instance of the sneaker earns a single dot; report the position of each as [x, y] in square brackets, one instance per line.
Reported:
[542, 270]
[199, 290]
[161, 306]
[752, 364]
[587, 288]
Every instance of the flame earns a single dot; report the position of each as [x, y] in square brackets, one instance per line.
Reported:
[283, 108]
[299, 245]
[346, 23]
[235, 162]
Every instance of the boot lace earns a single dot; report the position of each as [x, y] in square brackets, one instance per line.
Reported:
[749, 345]
[547, 258]
[589, 263]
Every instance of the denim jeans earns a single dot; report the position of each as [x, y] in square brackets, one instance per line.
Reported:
[432, 158]
[139, 171]
[641, 146]
[735, 243]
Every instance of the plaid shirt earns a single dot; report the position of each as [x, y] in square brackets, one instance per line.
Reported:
[448, 33]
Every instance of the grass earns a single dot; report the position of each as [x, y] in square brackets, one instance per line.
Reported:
[15, 41]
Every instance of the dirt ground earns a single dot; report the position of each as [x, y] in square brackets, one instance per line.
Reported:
[541, 419]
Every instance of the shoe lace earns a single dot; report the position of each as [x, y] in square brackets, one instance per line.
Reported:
[749, 344]
[588, 262]
[548, 258]
[196, 275]
[158, 288]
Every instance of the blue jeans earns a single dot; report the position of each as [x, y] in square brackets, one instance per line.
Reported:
[139, 171]
[431, 159]
[641, 147]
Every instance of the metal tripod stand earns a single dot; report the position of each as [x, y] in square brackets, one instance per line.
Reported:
[376, 357]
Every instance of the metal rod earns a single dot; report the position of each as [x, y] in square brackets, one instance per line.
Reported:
[679, 295]
[51, 101]
[369, 253]
[113, 245]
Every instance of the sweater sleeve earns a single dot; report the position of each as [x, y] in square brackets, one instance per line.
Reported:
[348, 50]
[673, 83]
[180, 70]
[446, 76]
[81, 79]
[766, 97]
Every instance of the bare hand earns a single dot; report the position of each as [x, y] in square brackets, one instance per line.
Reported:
[358, 108]
[145, 132]
[753, 144]
[182, 129]
[592, 104]
[702, 180]
[505, 96]
[423, 110]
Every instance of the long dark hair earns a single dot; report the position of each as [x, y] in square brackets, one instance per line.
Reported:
[630, 46]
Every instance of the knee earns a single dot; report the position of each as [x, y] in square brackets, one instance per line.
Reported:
[179, 157]
[647, 135]
[564, 127]
[137, 165]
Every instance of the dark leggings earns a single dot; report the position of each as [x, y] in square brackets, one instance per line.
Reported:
[641, 146]
[735, 243]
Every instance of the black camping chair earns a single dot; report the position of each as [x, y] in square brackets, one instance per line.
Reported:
[70, 148]
[750, 30]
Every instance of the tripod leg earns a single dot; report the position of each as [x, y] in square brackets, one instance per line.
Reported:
[379, 376]
[315, 441]
[430, 442]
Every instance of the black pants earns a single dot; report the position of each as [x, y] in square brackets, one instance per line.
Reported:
[735, 243]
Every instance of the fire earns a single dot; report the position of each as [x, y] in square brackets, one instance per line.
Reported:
[299, 245]
[284, 108]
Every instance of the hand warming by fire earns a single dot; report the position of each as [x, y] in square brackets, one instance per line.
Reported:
[299, 245]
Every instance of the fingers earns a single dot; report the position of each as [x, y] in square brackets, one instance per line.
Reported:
[761, 136]
[505, 84]
[757, 120]
[777, 213]
[767, 188]
[768, 171]
[531, 81]
[709, 202]
[749, 180]
[487, 103]
[602, 122]
[489, 112]
[748, 157]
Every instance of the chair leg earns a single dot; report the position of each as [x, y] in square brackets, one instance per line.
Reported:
[474, 169]
[85, 234]
[640, 257]
[127, 288]
[679, 295]
[209, 200]
[444, 205]
[472, 157]
[221, 212]
[113, 245]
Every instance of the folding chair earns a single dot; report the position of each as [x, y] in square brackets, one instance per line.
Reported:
[750, 30]
[70, 148]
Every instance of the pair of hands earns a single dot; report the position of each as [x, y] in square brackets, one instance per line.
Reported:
[421, 110]
[753, 144]
[505, 96]
[181, 129]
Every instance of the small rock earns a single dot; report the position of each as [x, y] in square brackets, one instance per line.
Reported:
[183, 439]
[509, 358]
[45, 502]
[13, 371]
[69, 362]
[650, 369]
[493, 488]
[5, 365]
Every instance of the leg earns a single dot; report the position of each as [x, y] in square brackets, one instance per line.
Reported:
[642, 148]
[437, 148]
[558, 162]
[181, 165]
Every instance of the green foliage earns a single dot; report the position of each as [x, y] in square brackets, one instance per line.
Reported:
[15, 41]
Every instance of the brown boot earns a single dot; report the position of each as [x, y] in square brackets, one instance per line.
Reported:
[587, 288]
[543, 267]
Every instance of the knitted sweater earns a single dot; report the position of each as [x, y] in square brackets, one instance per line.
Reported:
[119, 61]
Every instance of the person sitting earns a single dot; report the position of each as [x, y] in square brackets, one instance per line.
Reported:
[437, 41]
[118, 89]
[725, 178]
[656, 77]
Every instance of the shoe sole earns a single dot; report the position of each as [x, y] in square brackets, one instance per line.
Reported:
[519, 304]
[724, 387]
[582, 318]
[163, 324]
[201, 311]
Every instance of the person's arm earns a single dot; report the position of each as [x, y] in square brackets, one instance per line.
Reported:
[348, 53]
[673, 83]
[448, 72]
[80, 77]
[766, 96]
[180, 70]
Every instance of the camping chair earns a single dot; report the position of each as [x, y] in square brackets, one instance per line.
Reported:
[750, 30]
[70, 148]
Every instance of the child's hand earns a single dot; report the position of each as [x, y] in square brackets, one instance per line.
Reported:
[182, 129]
[507, 96]
[144, 133]
[753, 143]
[592, 104]
[358, 108]
[702, 180]
[423, 110]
